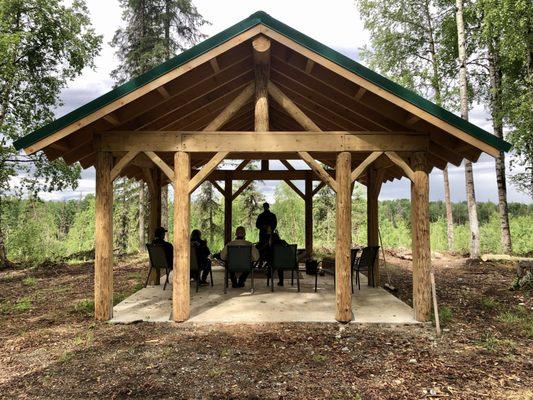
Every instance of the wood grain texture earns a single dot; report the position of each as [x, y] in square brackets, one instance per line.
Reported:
[343, 290]
[103, 259]
[421, 245]
[182, 246]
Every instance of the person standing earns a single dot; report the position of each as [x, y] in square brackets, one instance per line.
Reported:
[266, 223]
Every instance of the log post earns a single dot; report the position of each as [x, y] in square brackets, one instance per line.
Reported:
[228, 208]
[155, 217]
[343, 291]
[308, 216]
[372, 211]
[420, 239]
[103, 260]
[182, 246]
[261, 46]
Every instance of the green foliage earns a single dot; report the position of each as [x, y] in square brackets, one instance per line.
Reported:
[154, 32]
[29, 281]
[23, 304]
[85, 307]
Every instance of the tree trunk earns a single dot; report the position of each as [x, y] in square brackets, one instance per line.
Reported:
[497, 124]
[469, 174]
[4, 262]
[448, 203]
[142, 204]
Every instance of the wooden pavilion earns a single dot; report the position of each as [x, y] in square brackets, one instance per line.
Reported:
[261, 90]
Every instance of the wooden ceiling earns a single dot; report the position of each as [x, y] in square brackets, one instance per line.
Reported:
[193, 99]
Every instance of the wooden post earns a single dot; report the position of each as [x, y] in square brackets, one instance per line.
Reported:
[155, 217]
[103, 260]
[372, 193]
[228, 208]
[308, 216]
[420, 243]
[343, 291]
[261, 46]
[182, 246]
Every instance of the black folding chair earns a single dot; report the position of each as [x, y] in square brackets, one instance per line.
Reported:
[158, 261]
[284, 258]
[195, 267]
[366, 264]
[330, 269]
[239, 259]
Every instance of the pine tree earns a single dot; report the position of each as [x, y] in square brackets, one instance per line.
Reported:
[208, 208]
[155, 31]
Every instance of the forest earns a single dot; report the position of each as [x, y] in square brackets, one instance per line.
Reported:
[38, 231]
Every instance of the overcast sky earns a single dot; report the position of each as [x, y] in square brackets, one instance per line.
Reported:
[338, 25]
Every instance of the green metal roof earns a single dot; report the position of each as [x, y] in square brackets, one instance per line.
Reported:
[257, 18]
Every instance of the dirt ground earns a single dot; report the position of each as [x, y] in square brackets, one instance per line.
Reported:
[51, 348]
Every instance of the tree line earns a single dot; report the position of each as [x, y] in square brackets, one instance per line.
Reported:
[37, 231]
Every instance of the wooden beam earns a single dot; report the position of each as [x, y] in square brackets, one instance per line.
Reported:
[59, 146]
[396, 159]
[295, 188]
[265, 165]
[373, 187]
[379, 91]
[214, 64]
[420, 241]
[360, 93]
[168, 77]
[161, 165]
[287, 165]
[182, 245]
[308, 217]
[292, 109]
[317, 189]
[413, 119]
[242, 165]
[361, 167]
[119, 166]
[217, 186]
[309, 66]
[155, 217]
[343, 289]
[271, 175]
[164, 92]
[241, 189]
[112, 119]
[231, 109]
[319, 170]
[228, 208]
[254, 142]
[206, 170]
[261, 46]
[148, 177]
[103, 259]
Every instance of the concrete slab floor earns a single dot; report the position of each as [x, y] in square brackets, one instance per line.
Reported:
[211, 305]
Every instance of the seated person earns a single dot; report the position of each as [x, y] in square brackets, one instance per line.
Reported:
[159, 238]
[202, 254]
[240, 239]
[275, 239]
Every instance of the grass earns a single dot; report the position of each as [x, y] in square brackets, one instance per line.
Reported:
[23, 304]
[518, 318]
[319, 358]
[85, 307]
[445, 315]
[493, 345]
[29, 281]
[489, 303]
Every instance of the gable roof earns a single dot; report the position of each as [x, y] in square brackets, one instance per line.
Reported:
[258, 18]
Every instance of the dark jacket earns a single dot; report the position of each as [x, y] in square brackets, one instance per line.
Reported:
[266, 218]
[202, 251]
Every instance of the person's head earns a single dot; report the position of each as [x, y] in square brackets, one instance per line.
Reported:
[240, 232]
[266, 206]
[196, 234]
[160, 233]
